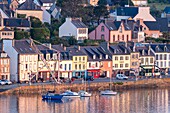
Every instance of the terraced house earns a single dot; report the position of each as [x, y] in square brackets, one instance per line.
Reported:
[79, 64]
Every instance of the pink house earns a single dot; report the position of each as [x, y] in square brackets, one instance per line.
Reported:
[100, 33]
[112, 31]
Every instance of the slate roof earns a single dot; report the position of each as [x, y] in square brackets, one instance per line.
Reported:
[127, 11]
[163, 24]
[75, 52]
[23, 47]
[152, 25]
[119, 50]
[16, 22]
[160, 47]
[78, 23]
[167, 10]
[28, 5]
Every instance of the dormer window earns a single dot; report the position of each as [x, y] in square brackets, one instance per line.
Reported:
[100, 56]
[120, 29]
[94, 56]
[165, 48]
[143, 52]
[106, 56]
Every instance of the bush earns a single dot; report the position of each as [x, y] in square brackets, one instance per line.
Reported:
[21, 34]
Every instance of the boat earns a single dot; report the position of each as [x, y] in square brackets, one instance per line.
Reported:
[69, 93]
[50, 95]
[108, 92]
[84, 94]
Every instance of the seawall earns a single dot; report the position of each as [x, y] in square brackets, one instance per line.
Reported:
[39, 89]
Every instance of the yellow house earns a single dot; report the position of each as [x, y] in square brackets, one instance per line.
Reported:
[120, 59]
[79, 64]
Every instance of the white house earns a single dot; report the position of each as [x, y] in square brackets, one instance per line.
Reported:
[24, 59]
[45, 3]
[74, 27]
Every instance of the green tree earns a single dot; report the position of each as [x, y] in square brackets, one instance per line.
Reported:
[35, 22]
[21, 34]
[72, 41]
[40, 33]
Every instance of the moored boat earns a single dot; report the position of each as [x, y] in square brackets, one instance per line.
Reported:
[84, 94]
[69, 93]
[52, 96]
[108, 92]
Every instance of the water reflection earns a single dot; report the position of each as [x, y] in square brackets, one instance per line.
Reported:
[134, 101]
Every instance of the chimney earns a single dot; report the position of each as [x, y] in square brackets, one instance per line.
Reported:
[64, 48]
[68, 19]
[143, 52]
[78, 48]
[61, 45]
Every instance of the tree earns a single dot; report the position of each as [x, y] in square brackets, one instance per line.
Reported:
[40, 33]
[35, 22]
[72, 41]
[21, 34]
[102, 2]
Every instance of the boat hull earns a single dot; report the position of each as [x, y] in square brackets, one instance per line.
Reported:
[108, 93]
[71, 96]
[51, 97]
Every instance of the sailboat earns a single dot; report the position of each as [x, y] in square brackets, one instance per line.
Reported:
[108, 92]
[84, 93]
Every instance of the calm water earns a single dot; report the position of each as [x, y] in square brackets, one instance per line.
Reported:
[134, 101]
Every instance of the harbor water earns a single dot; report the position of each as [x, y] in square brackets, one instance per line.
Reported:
[131, 101]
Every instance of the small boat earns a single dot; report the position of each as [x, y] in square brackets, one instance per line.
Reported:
[69, 93]
[52, 96]
[108, 92]
[84, 94]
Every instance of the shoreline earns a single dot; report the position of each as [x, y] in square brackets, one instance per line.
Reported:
[116, 86]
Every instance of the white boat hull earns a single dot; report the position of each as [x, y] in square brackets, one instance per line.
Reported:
[84, 94]
[71, 96]
[108, 93]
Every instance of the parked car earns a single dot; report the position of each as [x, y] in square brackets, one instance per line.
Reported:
[89, 78]
[121, 77]
[7, 82]
[2, 82]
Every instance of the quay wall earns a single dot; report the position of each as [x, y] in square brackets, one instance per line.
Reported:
[119, 86]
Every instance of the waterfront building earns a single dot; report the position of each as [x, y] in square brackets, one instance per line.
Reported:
[65, 65]
[79, 64]
[74, 27]
[4, 64]
[162, 56]
[6, 33]
[47, 62]
[23, 59]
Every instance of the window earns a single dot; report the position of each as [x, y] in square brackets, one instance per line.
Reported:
[30, 66]
[26, 66]
[161, 64]
[83, 66]
[169, 63]
[102, 28]
[79, 66]
[122, 37]
[118, 37]
[137, 56]
[126, 65]
[75, 58]
[65, 67]
[69, 66]
[102, 37]
[142, 60]
[156, 57]
[146, 60]
[83, 58]
[89, 64]
[133, 56]
[116, 65]
[121, 58]
[165, 64]
[165, 56]
[113, 38]
[116, 58]
[79, 58]
[121, 65]
[127, 37]
[151, 60]
[96, 64]
[75, 66]
[160, 57]
[127, 58]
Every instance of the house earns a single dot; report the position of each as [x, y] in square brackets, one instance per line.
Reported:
[74, 27]
[4, 65]
[93, 2]
[46, 3]
[116, 31]
[66, 62]
[24, 59]
[6, 33]
[55, 11]
[140, 2]
[21, 1]
[29, 8]
[93, 62]
[162, 56]
[133, 13]
[79, 61]
[47, 62]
